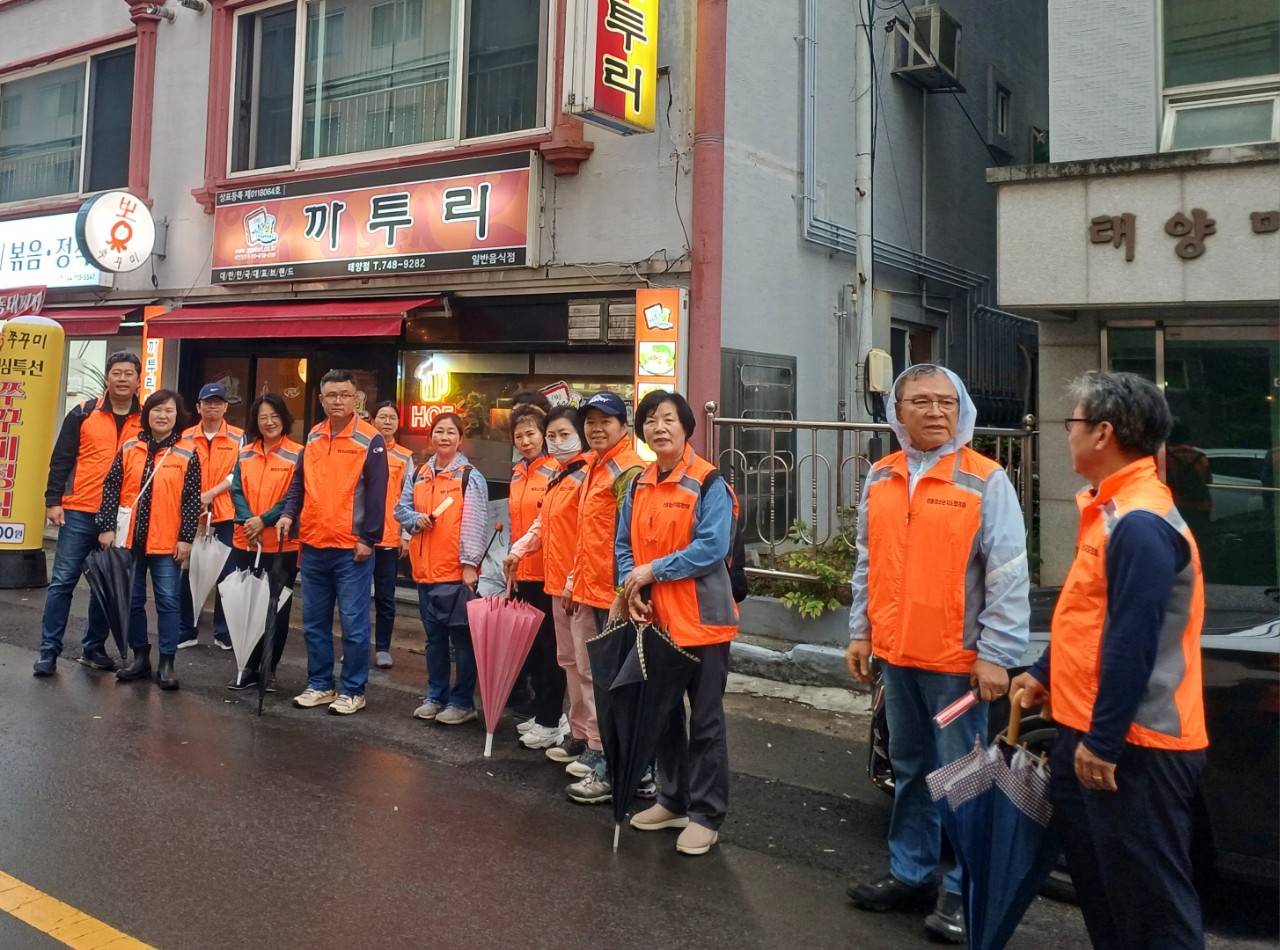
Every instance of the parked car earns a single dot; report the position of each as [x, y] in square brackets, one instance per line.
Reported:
[1238, 825]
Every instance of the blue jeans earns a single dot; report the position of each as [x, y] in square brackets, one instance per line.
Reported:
[166, 582]
[76, 539]
[224, 531]
[912, 697]
[386, 564]
[332, 575]
[463, 692]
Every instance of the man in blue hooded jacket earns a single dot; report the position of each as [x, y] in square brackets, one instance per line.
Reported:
[940, 595]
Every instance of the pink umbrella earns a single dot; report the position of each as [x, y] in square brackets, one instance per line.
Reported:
[502, 631]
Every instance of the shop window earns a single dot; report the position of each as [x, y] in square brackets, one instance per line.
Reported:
[1221, 73]
[66, 131]
[383, 75]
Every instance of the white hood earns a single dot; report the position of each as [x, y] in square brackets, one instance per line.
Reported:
[964, 427]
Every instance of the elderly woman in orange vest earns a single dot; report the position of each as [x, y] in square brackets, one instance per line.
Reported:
[259, 483]
[674, 535]
[445, 507]
[155, 481]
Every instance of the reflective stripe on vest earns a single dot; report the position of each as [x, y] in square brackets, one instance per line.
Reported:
[399, 459]
[264, 481]
[528, 489]
[217, 458]
[99, 444]
[593, 562]
[436, 555]
[925, 586]
[1171, 714]
[560, 528]
[165, 520]
[333, 476]
[695, 611]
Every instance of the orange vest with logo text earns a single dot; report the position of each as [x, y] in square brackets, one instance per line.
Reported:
[217, 458]
[399, 461]
[436, 555]
[528, 489]
[264, 481]
[333, 478]
[560, 524]
[165, 491]
[99, 444]
[602, 492]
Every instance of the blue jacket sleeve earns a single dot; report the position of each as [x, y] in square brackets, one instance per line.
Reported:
[375, 492]
[406, 514]
[475, 521]
[1004, 623]
[1144, 553]
[293, 498]
[623, 557]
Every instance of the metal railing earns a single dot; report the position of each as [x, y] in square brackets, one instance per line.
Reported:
[810, 474]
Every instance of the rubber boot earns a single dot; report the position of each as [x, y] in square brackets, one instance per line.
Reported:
[138, 667]
[164, 675]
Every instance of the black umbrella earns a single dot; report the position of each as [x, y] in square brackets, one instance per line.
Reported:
[649, 686]
[276, 578]
[607, 651]
[109, 572]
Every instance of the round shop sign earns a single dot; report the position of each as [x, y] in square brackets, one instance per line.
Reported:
[115, 231]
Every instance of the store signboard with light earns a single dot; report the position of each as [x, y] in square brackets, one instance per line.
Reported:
[662, 343]
[43, 250]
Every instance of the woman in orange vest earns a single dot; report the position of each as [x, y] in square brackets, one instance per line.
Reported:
[386, 556]
[154, 483]
[674, 536]
[445, 508]
[555, 534]
[259, 483]
[530, 478]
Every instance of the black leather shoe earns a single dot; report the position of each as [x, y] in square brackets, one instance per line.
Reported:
[888, 893]
[139, 666]
[47, 665]
[244, 679]
[97, 660]
[164, 675]
[947, 920]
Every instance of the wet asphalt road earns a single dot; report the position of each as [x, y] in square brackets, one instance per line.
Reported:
[187, 822]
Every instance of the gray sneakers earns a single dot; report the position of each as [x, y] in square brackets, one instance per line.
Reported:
[455, 716]
[383, 660]
[428, 710]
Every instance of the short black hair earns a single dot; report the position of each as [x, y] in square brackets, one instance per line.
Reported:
[565, 412]
[338, 376]
[650, 403]
[531, 397]
[1135, 407]
[124, 356]
[251, 431]
[157, 398]
[527, 414]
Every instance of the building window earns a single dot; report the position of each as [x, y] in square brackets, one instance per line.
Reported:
[382, 75]
[1221, 73]
[1003, 97]
[57, 140]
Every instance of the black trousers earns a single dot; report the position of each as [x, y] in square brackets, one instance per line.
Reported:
[544, 669]
[1129, 851]
[243, 560]
[693, 766]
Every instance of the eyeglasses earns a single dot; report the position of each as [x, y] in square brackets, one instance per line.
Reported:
[1066, 423]
[333, 397]
[923, 403]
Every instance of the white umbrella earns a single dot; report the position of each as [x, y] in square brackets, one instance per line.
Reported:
[245, 598]
[208, 556]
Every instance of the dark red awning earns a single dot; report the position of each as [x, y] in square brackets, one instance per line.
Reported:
[290, 319]
[90, 321]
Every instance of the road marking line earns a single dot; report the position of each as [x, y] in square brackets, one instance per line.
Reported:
[61, 921]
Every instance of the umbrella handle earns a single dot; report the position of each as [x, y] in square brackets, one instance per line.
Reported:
[1015, 715]
[257, 558]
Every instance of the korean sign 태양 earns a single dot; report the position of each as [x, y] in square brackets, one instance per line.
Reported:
[611, 63]
[471, 214]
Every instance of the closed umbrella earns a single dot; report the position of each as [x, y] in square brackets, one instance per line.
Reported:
[245, 603]
[997, 816]
[277, 596]
[502, 631]
[208, 557]
[109, 572]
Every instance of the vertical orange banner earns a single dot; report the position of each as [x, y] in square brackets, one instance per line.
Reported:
[152, 357]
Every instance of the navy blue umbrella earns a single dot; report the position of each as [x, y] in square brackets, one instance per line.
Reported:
[109, 572]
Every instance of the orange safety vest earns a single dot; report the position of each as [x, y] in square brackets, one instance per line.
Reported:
[333, 481]
[602, 492]
[217, 458]
[264, 481]
[918, 551]
[1171, 714]
[695, 611]
[528, 489]
[399, 461]
[165, 492]
[560, 525]
[436, 555]
[99, 445]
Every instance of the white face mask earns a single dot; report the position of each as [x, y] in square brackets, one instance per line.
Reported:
[564, 450]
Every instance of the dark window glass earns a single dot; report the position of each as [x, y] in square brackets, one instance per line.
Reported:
[264, 89]
[503, 66]
[110, 120]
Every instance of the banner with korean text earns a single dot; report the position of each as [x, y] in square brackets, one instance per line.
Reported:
[471, 214]
[611, 63]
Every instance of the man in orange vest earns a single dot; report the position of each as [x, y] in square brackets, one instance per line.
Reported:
[940, 594]
[338, 497]
[217, 446]
[1125, 678]
[91, 435]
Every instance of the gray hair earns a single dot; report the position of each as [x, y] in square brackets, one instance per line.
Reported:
[919, 371]
[1135, 407]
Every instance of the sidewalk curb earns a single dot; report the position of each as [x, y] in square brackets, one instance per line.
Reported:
[805, 664]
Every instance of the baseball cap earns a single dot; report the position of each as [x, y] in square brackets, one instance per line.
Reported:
[610, 403]
[213, 391]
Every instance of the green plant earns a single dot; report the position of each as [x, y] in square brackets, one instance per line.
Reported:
[828, 564]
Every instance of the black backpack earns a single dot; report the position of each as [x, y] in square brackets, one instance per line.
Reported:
[737, 559]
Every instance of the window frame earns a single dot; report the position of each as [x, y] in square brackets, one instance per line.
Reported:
[1179, 99]
[84, 59]
[455, 141]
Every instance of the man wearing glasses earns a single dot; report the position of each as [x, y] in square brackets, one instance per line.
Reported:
[338, 497]
[940, 594]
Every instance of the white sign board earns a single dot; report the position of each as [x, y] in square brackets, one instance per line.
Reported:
[115, 231]
[43, 251]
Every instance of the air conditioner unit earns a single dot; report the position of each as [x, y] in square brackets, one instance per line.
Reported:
[927, 51]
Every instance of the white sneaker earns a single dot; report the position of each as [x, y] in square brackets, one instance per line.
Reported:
[314, 697]
[542, 737]
[186, 644]
[523, 727]
[345, 705]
